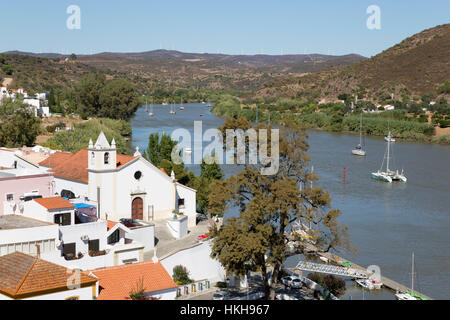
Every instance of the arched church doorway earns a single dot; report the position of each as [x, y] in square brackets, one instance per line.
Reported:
[137, 209]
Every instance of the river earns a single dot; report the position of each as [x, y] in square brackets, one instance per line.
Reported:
[387, 222]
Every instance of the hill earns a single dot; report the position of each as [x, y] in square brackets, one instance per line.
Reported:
[164, 68]
[35, 73]
[215, 71]
[418, 65]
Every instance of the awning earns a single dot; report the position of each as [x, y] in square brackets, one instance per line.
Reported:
[82, 205]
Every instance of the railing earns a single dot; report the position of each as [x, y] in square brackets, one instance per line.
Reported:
[330, 269]
[194, 289]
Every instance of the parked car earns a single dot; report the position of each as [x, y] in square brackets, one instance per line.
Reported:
[287, 281]
[221, 295]
[296, 283]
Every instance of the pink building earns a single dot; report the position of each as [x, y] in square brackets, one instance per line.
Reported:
[17, 186]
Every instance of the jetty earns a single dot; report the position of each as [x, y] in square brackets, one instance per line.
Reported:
[339, 266]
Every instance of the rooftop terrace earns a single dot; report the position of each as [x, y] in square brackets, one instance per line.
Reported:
[9, 222]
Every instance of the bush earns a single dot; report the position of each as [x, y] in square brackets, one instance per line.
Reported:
[221, 284]
[444, 139]
[181, 275]
[445, 88]
[331, 283]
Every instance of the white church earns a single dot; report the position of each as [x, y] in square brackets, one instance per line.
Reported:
[122, 186]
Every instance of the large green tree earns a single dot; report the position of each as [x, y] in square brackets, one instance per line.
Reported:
[210, 171]
[19, 126]
[118, 100]
[269, 205]
[96, 96]
[88, 91]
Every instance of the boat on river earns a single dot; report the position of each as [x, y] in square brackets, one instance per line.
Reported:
[181, 104]
[172, 110]
[388, 175]
[410, 295]
[151, 111]
[369, 284]
[389, 137]
[359, 151]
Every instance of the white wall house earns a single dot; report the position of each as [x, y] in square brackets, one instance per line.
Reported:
[18, 233]
[84, 245]
[38, 103]
[123, 186]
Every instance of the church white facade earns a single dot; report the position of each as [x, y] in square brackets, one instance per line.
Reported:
[124, 186]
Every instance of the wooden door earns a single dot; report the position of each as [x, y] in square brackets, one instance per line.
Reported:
[137, 209]
[94, 245]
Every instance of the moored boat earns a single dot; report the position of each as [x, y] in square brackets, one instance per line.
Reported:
[410, 295]
[359, 151]
[369, 284]
[388, 175]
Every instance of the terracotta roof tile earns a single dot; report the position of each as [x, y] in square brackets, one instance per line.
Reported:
[24, 275]
[74, 166]
[116, 282]
[55, 159]
[110, 224]
[54, 203]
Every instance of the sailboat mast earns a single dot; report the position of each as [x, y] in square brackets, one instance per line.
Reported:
[360, 131]
[387, 160]
[412, 274]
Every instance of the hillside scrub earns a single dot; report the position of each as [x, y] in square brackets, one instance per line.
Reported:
[78, 138]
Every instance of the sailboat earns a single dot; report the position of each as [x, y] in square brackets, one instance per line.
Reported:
[358, 151]
[409, 295]
[172, 110]
[181, 104]
[389, 138]
[151, 111]
[388, 175]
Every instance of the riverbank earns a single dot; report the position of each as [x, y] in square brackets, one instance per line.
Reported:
[377, 127]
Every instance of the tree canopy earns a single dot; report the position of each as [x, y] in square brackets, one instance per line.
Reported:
[19, 125]
[269, 205]
[96, 96]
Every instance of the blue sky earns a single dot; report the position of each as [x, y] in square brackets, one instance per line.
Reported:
[231, 27]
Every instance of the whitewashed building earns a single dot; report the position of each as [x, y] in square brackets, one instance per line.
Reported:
[122, 186]
[23, 234]
[83, 242]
